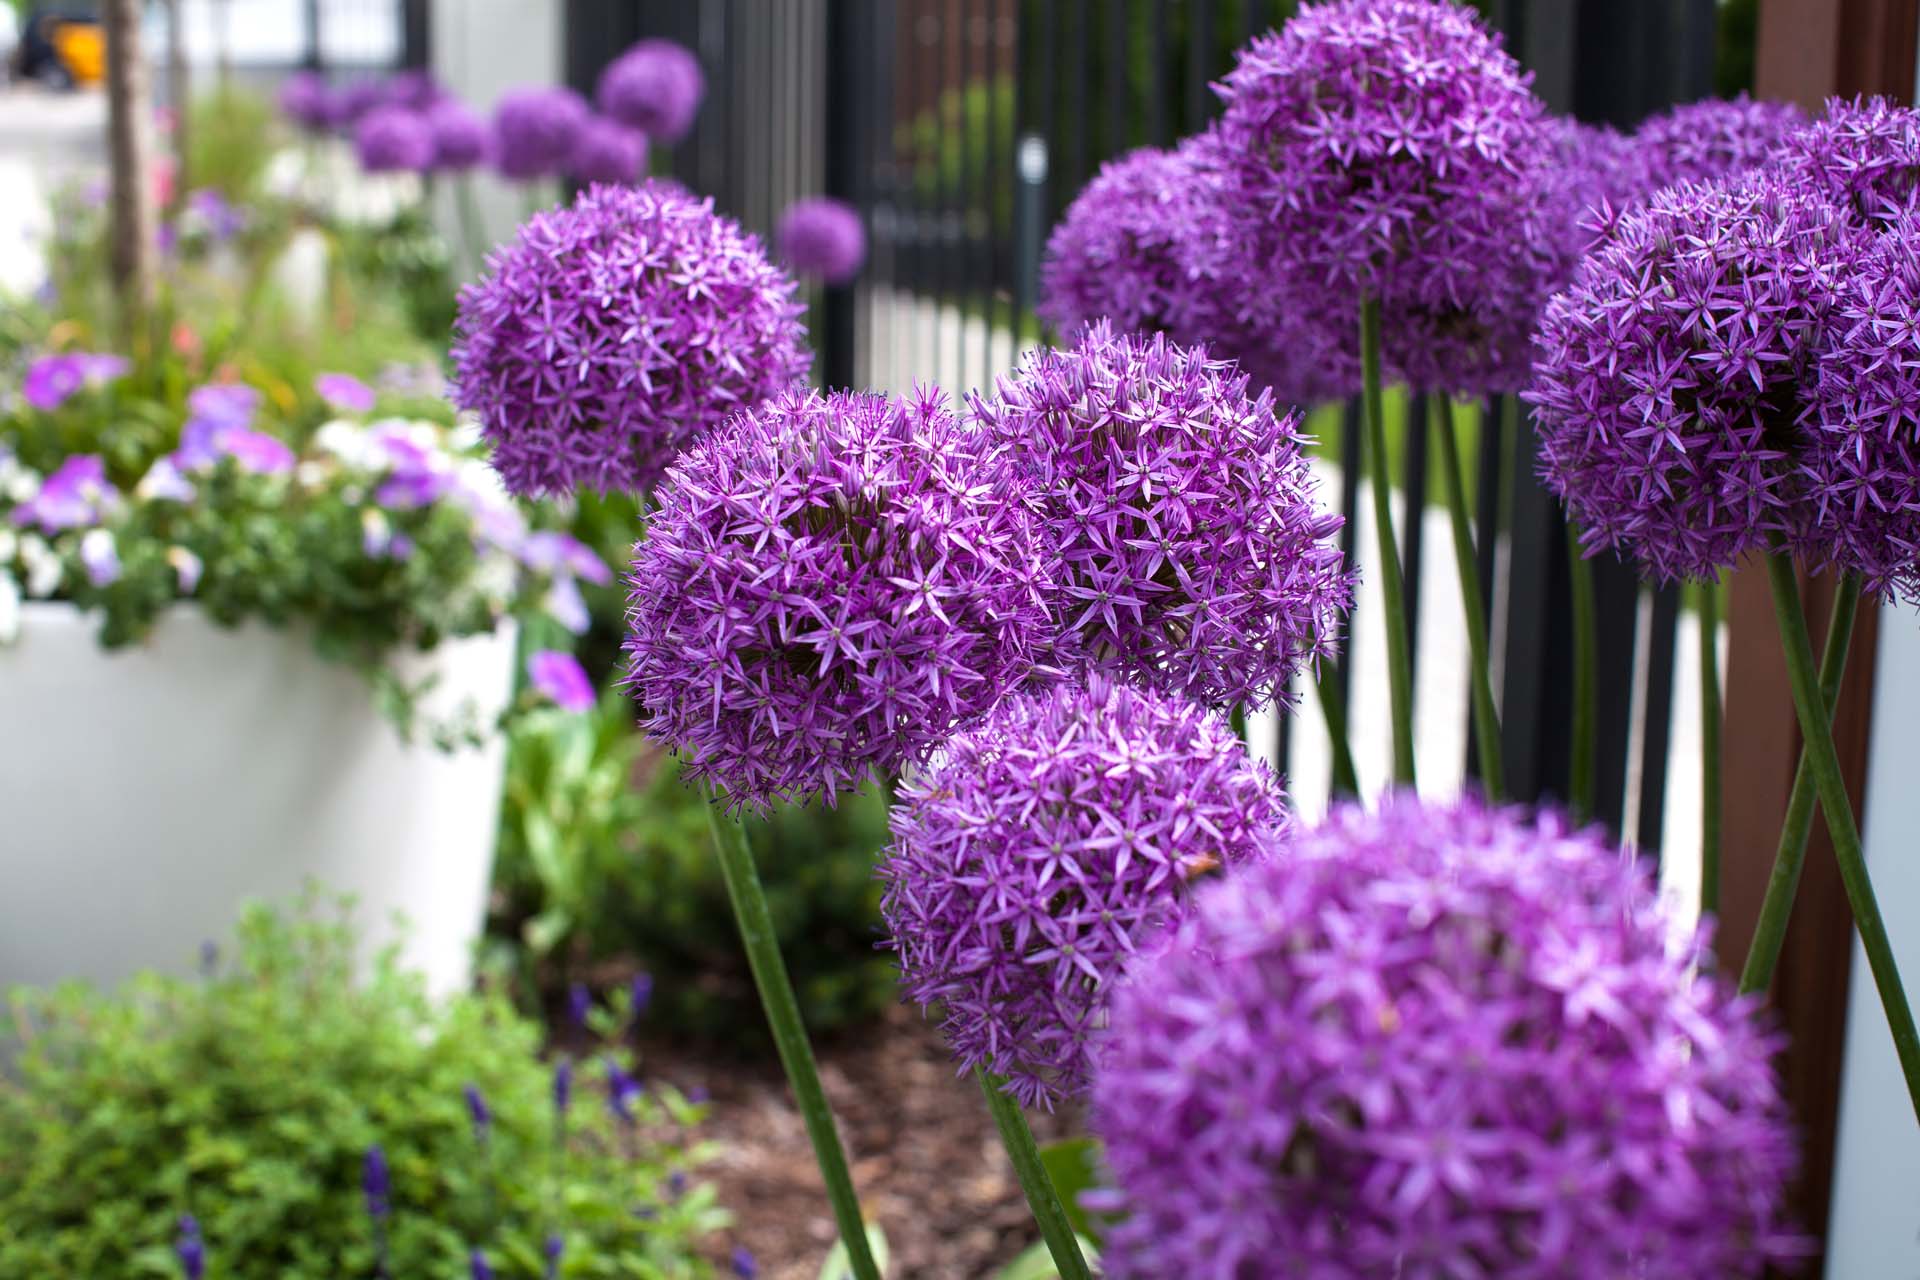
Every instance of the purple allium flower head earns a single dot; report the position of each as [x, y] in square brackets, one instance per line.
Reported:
[1601, 172]
[306, 100]
[462, 138]
[190, 1248]
[559, 676]
[562, 1086]
[607, 151]
[1860, 447]
[478, 1266]
[416, 90]
[394, 140]
[1194, 559]
[1439, 1041]
[1864, 153]
[1043, 843]
[534, 131]
[613, 332]
[655, 87]
[345, 393]
[1397, 151]
[1716, 138]
[75, 495]
[376, 1184]
[823, 239]
[579, 1004]
[1667, 377]
[51, 381]
[352, 103]
[478, 1112]
[828, 586]
[744, 1265]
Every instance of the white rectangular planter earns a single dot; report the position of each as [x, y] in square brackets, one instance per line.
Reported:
[146, 793]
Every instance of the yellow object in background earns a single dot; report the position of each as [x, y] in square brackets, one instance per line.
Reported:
[82, 49]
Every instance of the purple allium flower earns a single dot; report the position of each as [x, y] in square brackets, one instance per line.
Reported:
[376, 1184]
[1859, 451]
[562, 1086]
[1601, 172]
[823, 239]
[52, 380]
[478, 1266]
[76, 494]
[579, 1004]
[1864, 153]
[100, 557]
[394, 140]
[1194, 559]
[462, 138]
[744, 1265]
[611, 333]
[416, 90]
[344, 392]
[655, 87]
[354, 101]
[1439, 1041]
[828, 586]
[1666, 378]
[607, 151]
[1042, 844]
[534, 131]
[190, 1248]
[478, 1112]
[306, 100]
[560, 677]
[1716, 138]
[1398, 153]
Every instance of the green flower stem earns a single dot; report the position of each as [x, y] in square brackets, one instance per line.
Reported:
[1710, 716]
[789, 1035]
[1346, 779]
[1486, 720]
[473, 234]
[1392, 590]
[1824, 762]
[1763, 954]
[1586, 689]
[1055, 1229]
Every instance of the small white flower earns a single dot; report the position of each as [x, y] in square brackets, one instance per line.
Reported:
[350, 442]
[163, 480]
[9, 544]
[9, 609]
[376, 534]
[100, 556]
[186, 568]
[17, 484]
[43, 566]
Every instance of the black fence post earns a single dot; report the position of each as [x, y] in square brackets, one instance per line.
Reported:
[312, 59]
[849, 61]
[416, 34]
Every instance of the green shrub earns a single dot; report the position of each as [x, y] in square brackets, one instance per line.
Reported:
[605, 856]
[250, 1100]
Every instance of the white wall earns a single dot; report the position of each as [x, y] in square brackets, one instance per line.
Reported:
[1875, 1233]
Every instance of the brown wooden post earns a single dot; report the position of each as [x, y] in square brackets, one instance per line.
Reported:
[129, 159]
[180, 94]
[1808, 50]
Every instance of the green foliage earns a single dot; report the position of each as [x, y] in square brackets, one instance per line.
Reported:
[1036, 1263]
[231, 139]
[839, 1267]
[408, 261]
[1073, 1166]
[605, 856]
[249, 1099]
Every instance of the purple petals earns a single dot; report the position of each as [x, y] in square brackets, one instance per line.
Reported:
[656, 87]
[557, 553]
[256, 451]
[1717, 138]
[560, 677]
[393, 139]
[822, 238]
[75, 495]
[607, 151]
[376, 1186]
[462, 138]
[52, 380]
[100, 557]
[346, 393]
[534, 131]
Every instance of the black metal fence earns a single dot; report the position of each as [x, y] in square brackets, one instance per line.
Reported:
[962, 128]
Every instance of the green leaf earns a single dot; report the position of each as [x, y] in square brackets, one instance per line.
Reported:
[1074, 1166]
[837, 1266]
[1035, 1263]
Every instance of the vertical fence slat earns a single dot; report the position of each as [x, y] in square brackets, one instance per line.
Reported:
[1413, 526]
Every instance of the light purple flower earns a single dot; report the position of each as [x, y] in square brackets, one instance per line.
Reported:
[1439, 1041]
[1194, 558]
[346, 393]
[826, 589]
[560, 677]
[534, 131]
[552, 551]
[822, 238]
[1041, 846]
[462, 138]
[220, 220]
[229, 403]
[163, 482]
[607, 151]
[566, 606]
[100, 557]
[1863, 153]
[478, 1266]
[187, 569]
[656, 87]
[52, 380]
[406, 488]
[1716, 138]
[306, 100]
[352, 102]
[75, 495]
[392, 139]
[256, 451]
[613, 332]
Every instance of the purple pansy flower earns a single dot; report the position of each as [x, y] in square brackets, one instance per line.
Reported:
[76, 494]
[256, 451]
[560, 677]
[655, 87]
[52, 380]
[534, 131]
[822, 238]
[345, 392]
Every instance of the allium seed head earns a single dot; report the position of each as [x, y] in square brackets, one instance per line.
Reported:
[1041, 844]
[1194, 559]
[534, 131]
[1668, 377]
[829, 586]
[1438, 1042]
[1864, 153]
[655, 87]
[612, 332]
[822, 238]
[1717, 138]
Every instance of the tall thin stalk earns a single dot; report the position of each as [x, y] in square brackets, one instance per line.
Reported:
[1824, 762]
[789, 1034]
[1346, 780]
[473, 233]
[1055, 1228]
[1586, 689]
[1790, 857]
[1486, 719]
[1392, 588]
[1710, 718]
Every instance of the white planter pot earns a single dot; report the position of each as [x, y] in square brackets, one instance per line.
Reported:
[146, 793]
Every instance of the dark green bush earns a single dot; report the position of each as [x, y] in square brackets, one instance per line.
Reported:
[605, 858]
[250, 1100]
